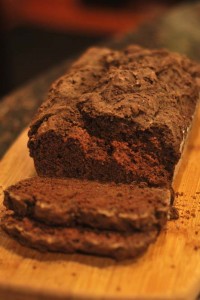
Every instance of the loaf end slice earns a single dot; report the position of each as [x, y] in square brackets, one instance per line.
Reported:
[81, 240]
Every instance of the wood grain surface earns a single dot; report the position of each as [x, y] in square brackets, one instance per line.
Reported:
[170, 269]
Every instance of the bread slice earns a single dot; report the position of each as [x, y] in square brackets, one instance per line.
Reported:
[72, 202]
[84, 240]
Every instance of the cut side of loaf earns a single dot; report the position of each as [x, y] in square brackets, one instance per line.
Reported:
[117, 116]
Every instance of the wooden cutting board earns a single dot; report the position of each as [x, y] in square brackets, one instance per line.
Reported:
[170, 269]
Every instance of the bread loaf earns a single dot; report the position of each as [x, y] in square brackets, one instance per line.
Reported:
[116, 116]
[113, 129]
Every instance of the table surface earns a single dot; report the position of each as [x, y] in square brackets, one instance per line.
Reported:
[177, 30]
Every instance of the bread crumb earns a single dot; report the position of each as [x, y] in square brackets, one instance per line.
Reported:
[196, 248]
[173, 213]
[173, 266]
[179, 194]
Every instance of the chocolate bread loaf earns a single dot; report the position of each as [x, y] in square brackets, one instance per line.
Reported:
[72, 202]
[117, 116]
[115, 125]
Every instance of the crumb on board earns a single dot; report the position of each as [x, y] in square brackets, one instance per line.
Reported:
[172, 266]
[173, 213]
[196, 247]
[179, 194]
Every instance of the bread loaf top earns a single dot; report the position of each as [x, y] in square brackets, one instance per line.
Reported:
[133, 89]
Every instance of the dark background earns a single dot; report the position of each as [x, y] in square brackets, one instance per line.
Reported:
[36, 35]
